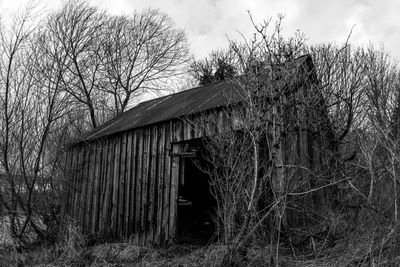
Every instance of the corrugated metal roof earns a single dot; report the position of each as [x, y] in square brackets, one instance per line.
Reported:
[174, 106]
[168, 107]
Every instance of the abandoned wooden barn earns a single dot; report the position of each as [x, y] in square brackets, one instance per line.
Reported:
[123, 177]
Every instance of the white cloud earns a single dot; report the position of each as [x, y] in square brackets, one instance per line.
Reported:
[207, 22]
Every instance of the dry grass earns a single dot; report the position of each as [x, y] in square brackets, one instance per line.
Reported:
[126, 254]
[359, 248]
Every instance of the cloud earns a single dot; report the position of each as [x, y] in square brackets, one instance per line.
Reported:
[208, 22]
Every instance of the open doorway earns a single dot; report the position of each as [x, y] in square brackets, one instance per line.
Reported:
[196, 204]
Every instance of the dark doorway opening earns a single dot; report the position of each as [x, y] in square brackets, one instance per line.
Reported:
[196, 204]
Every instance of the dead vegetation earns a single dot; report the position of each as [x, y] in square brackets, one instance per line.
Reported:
[363, 248]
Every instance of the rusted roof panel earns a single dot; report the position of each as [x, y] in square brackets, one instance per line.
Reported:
[168, 107]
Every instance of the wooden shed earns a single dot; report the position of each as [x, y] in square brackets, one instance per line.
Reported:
[122, 177]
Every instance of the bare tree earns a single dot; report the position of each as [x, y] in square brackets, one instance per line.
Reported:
[140, 53]
[110, 59]
[34, 104]
[13, 85]
[78, 28]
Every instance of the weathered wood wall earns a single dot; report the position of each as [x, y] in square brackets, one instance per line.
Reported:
[125, 186]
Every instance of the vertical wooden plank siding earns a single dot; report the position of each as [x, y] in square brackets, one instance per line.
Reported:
[160, 188]
[77, 184]
[115, 180]
[92, 172]
[177, 136]
[96, 187]
[152, 184]
[139, 181]
[167, 181]
[88, 215]
[74, 170]
[132, 209]
[197, 127]
[87, 198]
[121, 188]
[173, 193]
[103, 179]
[145, 187]
[125, 186]
[109, 187]
[66, 185]
[83, 181]
[128, 183]
[74, 173]
[186, 130]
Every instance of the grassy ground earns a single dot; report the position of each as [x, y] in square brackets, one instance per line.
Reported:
[356, 248]
[353, 251]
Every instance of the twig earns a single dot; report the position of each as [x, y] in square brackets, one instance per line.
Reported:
[316, 189]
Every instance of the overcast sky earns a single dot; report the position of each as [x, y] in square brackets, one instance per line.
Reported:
[208, 22]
